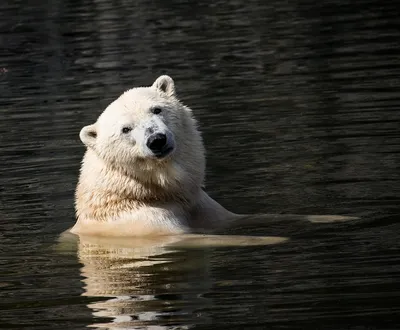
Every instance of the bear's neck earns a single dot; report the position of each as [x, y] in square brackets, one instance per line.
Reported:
[104, 190]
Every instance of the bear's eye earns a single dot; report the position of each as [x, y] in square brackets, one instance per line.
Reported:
[126, 130]
[156, 111]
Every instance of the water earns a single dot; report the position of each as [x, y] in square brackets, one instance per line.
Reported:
[299, 106]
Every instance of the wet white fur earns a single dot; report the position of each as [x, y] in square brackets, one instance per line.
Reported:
[124, 190]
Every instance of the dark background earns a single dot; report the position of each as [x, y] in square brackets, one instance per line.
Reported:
[298, 102]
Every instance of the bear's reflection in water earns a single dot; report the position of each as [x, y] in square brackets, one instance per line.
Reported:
[156, 283]
[162, 282]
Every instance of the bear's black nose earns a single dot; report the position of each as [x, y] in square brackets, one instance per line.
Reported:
[157, 142]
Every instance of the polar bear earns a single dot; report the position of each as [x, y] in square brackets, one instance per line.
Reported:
[143, 170]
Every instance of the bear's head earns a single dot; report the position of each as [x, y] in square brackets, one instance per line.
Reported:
[149, 134]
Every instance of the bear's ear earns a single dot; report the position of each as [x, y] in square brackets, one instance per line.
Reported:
[88, 135]
[165, 84]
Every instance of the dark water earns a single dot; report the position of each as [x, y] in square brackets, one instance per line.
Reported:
[300, 108]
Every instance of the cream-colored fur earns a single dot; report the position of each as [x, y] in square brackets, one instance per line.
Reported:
[124, 190]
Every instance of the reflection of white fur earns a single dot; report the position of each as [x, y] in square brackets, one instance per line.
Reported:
[131, 272]
[124, 189]
[137, 277]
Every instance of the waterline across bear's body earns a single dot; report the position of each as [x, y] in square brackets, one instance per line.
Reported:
[143, 169]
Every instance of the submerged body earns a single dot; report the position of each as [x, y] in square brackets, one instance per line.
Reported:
[143, 170]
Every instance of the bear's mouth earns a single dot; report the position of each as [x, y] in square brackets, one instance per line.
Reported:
[163, 153]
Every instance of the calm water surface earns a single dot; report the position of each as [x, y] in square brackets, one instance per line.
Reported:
[299, 105]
